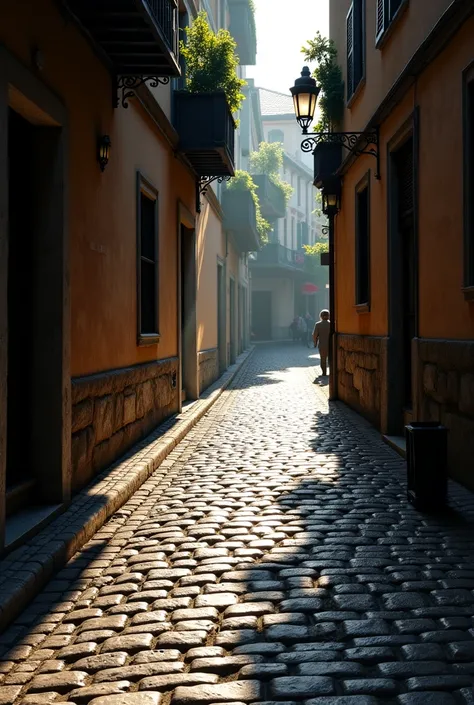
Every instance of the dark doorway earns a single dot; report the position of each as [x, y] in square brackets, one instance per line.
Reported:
[406, 230]
[262, 315]
[189, 382]
[21, 284]
[221, 318]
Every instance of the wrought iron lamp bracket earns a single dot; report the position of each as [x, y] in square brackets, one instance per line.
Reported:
[325, 230]
[203, 185]
[356, 143]
[128, 86]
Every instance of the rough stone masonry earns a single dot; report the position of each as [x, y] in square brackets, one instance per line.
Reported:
[277, 562]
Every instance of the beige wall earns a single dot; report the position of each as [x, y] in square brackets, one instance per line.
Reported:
[210, 247]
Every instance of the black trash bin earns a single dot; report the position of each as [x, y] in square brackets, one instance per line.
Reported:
[427, 460]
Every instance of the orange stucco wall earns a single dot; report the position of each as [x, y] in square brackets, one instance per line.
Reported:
[443, 311]
[348, 320]
[102, 207]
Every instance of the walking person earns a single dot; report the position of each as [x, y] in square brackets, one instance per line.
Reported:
[321, 334]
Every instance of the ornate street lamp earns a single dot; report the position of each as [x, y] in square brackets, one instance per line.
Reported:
[305, 95]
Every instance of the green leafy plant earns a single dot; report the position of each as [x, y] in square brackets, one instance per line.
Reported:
[268, 159]
[211, 62]
[317, 249]
[242, 181]
[328, 75]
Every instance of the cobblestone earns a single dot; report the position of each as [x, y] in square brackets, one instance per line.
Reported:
[275, 559]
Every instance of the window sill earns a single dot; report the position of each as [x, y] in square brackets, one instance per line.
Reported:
[468, 292]
[387, 33]
[360, 87]
[362, 308]
[145, 339]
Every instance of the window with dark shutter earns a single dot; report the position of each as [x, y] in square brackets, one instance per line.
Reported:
[355, 30]
[350, 52]
[393, 7]
[147, 262]
[380, 19]
[386, 12]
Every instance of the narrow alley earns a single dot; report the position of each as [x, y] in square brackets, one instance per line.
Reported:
[278, 560]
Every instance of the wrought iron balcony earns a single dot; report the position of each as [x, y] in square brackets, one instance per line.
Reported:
[242, 28]
[137, 38]
[240, 219]
[276, 256]
[272, 198]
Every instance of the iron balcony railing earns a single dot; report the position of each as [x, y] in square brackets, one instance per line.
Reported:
[275, 254]
[165, 14]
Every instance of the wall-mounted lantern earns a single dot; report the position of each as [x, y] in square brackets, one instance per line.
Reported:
[103, 151]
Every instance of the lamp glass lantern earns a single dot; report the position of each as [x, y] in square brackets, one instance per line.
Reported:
[103, 151]
[305, 95]
[331, 197]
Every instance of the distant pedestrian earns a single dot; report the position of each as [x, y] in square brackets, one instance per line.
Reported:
[309, 320]
[321, 339]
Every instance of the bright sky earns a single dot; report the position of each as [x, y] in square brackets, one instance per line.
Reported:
[283, 26]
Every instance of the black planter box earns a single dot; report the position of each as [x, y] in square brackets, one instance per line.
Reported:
[206, 131]
[240, 219]
[327, 160]
[271, 198]
[324, 259]
[242, 28]
[427, 475]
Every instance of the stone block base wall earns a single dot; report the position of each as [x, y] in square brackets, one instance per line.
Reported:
[208, 364]
[361, 364]
[113, 410]
[445, 394]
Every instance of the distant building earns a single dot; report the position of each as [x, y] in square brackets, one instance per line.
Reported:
[279, 270]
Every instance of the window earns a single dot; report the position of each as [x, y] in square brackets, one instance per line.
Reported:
[362, 244]
[386, 12]
[355, 40]
[147, 262]
[299, 191]
[285, 232]
[468, 110]
[276, 136]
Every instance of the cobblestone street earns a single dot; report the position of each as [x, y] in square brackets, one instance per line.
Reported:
[278, 560]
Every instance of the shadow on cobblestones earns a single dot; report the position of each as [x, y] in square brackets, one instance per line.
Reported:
[277, 561]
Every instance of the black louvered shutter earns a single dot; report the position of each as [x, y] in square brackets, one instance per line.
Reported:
[358, 12]
[350, 52]
[380, 19]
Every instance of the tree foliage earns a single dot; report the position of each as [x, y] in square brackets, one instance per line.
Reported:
[328, 75]
[211, 62]
[242, 181]
[268, 159]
